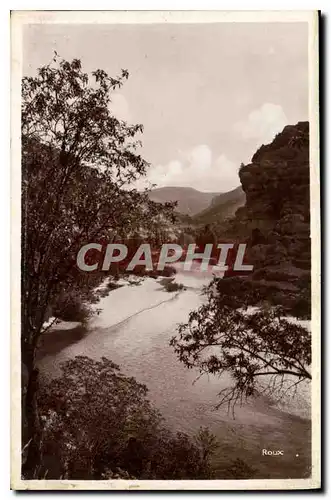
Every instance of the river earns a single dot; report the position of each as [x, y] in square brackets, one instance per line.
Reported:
[133, 329]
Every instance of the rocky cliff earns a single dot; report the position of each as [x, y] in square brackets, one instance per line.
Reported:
[276, 218]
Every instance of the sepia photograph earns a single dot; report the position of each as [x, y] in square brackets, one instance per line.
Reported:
[165, 250]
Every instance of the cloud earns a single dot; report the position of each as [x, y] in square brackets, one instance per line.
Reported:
[262, 124]
[120, 107]
[199, 159]
[196, 169]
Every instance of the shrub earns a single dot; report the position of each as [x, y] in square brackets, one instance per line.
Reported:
[174, 287]
[239, 469]
[171, 286]
[167, 272]
[70, 307]
[97, 423]
[141, 271]
[113, 285]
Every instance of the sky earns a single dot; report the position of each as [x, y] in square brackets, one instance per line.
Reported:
[208, 95]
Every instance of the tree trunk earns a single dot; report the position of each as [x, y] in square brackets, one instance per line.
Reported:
[30, 418]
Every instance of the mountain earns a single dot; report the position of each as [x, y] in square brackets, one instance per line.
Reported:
[190, 201]
[222, 206]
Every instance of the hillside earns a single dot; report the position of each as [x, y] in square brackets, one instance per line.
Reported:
[222, 206]
[190, 201]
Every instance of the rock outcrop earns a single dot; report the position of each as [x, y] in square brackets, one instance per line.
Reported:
[276, 217]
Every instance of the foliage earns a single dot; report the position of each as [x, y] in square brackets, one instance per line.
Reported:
[167, 271]
[171, 286]
[239, 469]
[250, 345]
[76, 158]
[78, 164]
[113, 285]
[206, 236]
[239, 291]
[98, 423]
[70, 307]
[62, 108]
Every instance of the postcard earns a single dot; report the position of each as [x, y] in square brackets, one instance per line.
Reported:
[165, 250]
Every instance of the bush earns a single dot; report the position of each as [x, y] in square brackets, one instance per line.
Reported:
[170, 286]
[97, 423]
[113, 285]
[167, 272]
[70, 307]
[141, 271]
[239, 469]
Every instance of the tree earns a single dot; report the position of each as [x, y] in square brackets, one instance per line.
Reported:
[91, 412]
[253, 346]
[96, 422]
[78, 165]
[206, 236]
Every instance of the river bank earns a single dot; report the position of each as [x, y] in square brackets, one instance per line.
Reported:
[133, 329]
